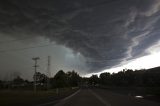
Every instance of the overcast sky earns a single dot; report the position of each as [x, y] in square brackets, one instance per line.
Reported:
[85, 35]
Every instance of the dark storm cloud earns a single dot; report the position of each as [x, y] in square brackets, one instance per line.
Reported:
[105, 32]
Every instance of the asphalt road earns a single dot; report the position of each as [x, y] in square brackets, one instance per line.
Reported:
[102, 97]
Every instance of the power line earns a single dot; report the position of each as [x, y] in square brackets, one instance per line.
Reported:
[21, 49]
[15, 40]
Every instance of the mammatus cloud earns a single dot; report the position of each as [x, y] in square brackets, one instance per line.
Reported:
[105, 32]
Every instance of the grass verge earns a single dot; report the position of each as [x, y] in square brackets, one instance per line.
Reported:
[25, 98]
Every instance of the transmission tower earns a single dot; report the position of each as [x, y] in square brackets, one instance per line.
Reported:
[35, 72]
[49, 73]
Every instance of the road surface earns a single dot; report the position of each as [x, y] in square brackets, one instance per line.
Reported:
[102, 97]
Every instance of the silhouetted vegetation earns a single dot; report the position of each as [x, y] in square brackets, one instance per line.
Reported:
[73, 78]
[60, 80]
[128, 77]
[124, 78]
[41, 79]
[139, 82]
[93, 80]
[129, 82]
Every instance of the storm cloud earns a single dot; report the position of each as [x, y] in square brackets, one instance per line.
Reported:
[105, 32]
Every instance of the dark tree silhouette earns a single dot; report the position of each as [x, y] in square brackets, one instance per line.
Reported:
[128, 77]
[18, 80]
[41, 78]
[105, 78]
[94, 80]
[60, 79]
[73, 78]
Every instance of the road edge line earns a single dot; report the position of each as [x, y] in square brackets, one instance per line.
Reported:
[100, 98]
[66, 98]
[63, 101]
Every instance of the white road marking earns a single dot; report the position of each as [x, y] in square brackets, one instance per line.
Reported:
[49, 103]
[100, 99]
[71, 96]
[63, 101]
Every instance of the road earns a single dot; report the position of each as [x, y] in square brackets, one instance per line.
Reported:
[102, 97]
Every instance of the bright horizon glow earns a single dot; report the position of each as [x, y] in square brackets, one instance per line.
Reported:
[145, 62]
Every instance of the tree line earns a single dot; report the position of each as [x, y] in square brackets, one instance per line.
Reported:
[124, 78]
[128, 77]
[60, 80]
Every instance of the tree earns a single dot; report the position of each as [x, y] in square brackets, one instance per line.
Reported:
[60, 79]
[129, 77]
[105, 78]
[93, 80]
[18, 81]
[73, 78]
[1, 84]
[40, 78]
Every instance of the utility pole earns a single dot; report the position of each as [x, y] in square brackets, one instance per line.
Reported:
[48, 71]
[35, 72]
